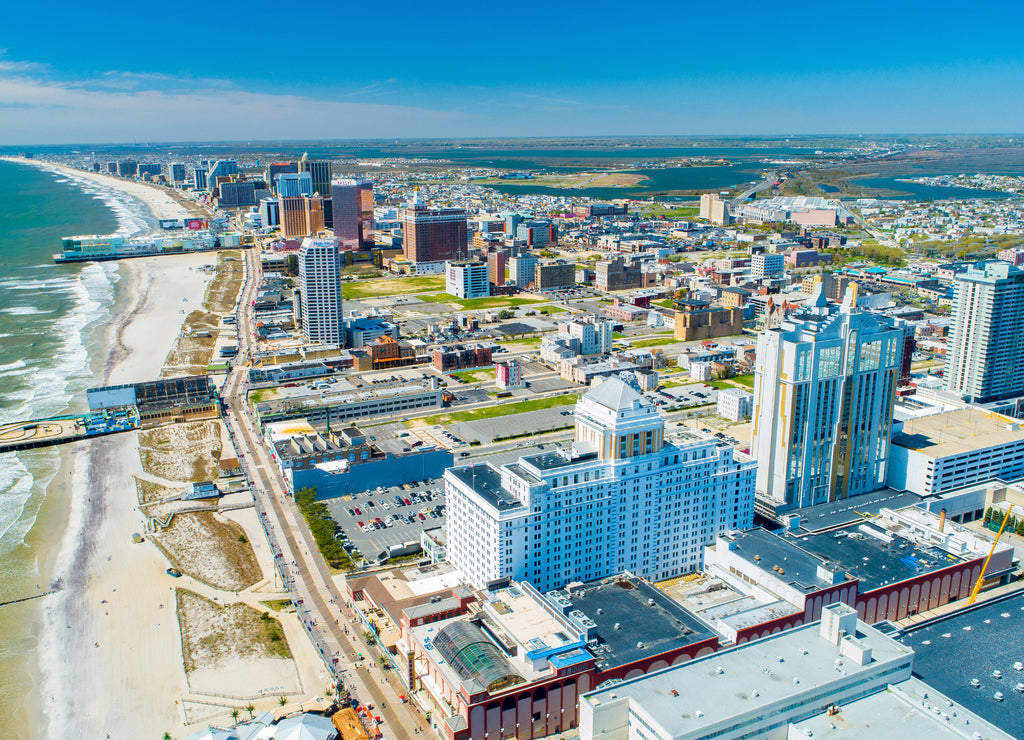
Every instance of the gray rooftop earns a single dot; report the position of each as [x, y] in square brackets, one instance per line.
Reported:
[849, 510]
[972, 644]
[737, 680]
[659, 628]
[767, 550]
[486, 482]
[615, 394]
[873, 562]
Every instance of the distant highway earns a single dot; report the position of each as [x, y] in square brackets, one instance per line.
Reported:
[764, 184]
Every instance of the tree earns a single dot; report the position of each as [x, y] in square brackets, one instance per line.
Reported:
[281, 701]
[250, 709]
[234, 714]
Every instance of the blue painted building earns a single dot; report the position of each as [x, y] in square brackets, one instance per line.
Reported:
[345, 462]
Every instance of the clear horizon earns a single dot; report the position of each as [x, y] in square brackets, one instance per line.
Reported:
[222, 73]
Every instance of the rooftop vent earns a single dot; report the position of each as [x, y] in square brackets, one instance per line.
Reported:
[618, 626]
[640, 646]
[698, 714]
[998, 696]
[997, 673]
[676, 693]
[1018, 666]
[755, 692]
[975, 683]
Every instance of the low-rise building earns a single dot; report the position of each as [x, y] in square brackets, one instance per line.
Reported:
[460, 357]
[364, 330]
[341, 400]
[735, 404]
[801, 683]
[941, 452]
[515, 663]
[904, 562]
[339, 463]
[508, 375]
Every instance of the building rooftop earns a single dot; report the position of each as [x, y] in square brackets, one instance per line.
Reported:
[957, 432]
[485, 480]
[768, 551]
[909, 709]
[846, 511]
[861, 551]
[762, 673]
[616, 395]
[973, 644]
[645, 629]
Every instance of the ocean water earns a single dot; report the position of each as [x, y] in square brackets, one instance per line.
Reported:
[53, 321]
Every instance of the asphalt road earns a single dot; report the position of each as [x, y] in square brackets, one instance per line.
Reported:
[317, 599]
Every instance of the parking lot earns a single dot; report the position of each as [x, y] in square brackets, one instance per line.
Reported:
[385, 522]
[683, 396]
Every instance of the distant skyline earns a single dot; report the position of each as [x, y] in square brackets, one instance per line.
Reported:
[79, 73]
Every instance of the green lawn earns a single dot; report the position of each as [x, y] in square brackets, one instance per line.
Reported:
[687, 212]
[392, 286]
[747, 380]
[551, 309]
[521, 344]
[436, 297]
[657, 342]
[666, 304]
[474, 376]
[505, 409]
[493, 301]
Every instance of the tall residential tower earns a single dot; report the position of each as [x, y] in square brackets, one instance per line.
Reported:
[985, 352]
[320, 292]
[823, 398]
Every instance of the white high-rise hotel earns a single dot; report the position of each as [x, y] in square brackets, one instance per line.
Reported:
[320, 292]
[824, 390]
[621, 498]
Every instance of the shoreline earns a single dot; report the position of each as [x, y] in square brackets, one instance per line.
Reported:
[83, 529]
[160, 204]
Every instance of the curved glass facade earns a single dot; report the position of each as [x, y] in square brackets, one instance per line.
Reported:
[473, 656]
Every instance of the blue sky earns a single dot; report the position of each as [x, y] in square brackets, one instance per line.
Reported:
[123, 71]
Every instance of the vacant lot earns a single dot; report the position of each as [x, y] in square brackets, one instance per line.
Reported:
[213, 635]
[182, 452]
[392, 286]
[211, 549]
[489, 412]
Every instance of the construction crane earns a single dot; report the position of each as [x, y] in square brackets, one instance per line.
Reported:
[984, 567]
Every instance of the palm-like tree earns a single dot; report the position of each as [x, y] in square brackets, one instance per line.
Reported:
[250, 709]
[234, 714]
[281, 701]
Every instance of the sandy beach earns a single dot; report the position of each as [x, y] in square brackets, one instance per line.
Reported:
[109, 655]
[111, 632]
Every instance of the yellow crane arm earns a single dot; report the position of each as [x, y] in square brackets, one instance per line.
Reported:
[984, 567]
